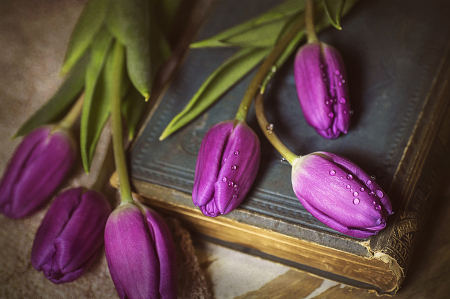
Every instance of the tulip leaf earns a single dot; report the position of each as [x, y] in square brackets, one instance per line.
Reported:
[221, 80]
[95, 110]
[167, 10]
[60, 102]
[333, 9]
[130, 22]
[88, 24]
[133, 107]
[262, 30]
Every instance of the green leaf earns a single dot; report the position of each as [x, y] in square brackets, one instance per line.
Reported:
[262, 30]
[133, 106]
[221, 80]
[333, 9]
[96, 106]
[323, 20]
[88, 24]
[60, 102]
[130, 22]
[166, 12]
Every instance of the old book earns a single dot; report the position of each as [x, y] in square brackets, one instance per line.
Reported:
[398, 63]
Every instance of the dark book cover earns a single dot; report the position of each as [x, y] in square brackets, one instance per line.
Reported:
[397, 57]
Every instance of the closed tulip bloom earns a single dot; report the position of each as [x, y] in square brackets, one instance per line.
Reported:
[227, 165]
[322, 90]
[39, 165]
[340, 194]
[70, 237]
[140, 253]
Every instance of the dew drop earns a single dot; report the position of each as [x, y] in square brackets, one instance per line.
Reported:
[345, 111]
[349, 177]
[230, 183]
[327, 103]
[342, 101]
[373, 177]
[283, 159]
[337, 73]
[340, 84]
[355, 193]
[371, 193]
[379, 193]
[348, 186]
[236, 186]
[351, 112]
[330, 115]
[269, 128]
[343, 81]
[377, 207]
[369, 182]
[332, 172]
[234, 196]
[224, 160]
[236, 153]
[351, 190]
[274, 69]
[234, 167]
[356, 201]
[362, 189]
[224, 179]
[374, 202]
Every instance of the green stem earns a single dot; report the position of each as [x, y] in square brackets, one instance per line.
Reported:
[267, 128]
[264, 69]
[309, 22]
[116, 123]
[70, 118]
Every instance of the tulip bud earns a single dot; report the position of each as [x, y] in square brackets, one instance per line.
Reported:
[39, 165]
[227, 165]
[70, 237]
[322, 89]
[140, 253]
[340, 194]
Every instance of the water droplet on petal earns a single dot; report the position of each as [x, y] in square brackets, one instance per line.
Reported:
[269, 128]
[379, 193]
[236, 153]
[362, 189]
[224, 179]
[283, 159]
[345, 111]
[224, 160]
[351, 190]
[337, 73]
[343, 81]
[377, 207]
[234, 167]
[327, 103]
[330, 115]
[356, 201]
[355, 193]
[369, 182]
[348, 186]
[349, 177]
[230, 183]
[332, 172]
[340, 84]
[274, 69]
[234, 196]
[374, 202]
[373, 177]
[351, 112]
[236, 186]
[371, 193]
[342, 101]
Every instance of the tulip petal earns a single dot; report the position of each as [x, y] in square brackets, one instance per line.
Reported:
[165, 250]
[130, 254]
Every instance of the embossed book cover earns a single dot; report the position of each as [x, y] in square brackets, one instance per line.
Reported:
[398, 67]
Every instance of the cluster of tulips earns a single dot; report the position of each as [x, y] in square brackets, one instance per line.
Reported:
[138, 245]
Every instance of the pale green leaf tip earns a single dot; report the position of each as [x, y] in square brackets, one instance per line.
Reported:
[163, 135]
[146, 96]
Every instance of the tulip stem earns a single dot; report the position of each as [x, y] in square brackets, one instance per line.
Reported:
[264, 69]
[309, 22]
[267, 128]
[116, 123]
[67, 122]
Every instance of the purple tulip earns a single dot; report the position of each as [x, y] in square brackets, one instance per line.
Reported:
[322, 89]
[340, 194]
[227, 165]
[70, 237]
[140, 253]
[39, 165]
